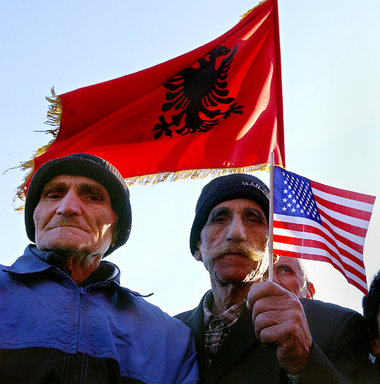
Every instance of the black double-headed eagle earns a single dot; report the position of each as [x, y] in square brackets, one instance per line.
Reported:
[197, 94]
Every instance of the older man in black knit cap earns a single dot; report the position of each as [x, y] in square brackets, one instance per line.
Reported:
[253, 331]
[64, 318]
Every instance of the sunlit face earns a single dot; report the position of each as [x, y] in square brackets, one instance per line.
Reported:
[287, 272]
[74, 214]
[233, 241]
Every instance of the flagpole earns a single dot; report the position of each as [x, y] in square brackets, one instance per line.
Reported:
[270, 234]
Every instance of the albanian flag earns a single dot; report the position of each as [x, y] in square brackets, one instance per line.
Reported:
[217, 107]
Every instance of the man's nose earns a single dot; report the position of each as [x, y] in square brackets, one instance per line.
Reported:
[70, 205]
[236, 230]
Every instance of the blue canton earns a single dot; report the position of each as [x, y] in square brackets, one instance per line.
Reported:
[293, 196]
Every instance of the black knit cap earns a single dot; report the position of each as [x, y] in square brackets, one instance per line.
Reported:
[93, 167]
[223, 188]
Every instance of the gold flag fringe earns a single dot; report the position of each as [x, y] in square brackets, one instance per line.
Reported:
[194, 174]
[249, 11]
[54, 114]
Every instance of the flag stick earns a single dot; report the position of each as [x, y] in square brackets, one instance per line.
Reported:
[270, 234]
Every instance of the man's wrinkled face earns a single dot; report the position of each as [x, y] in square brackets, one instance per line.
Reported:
[288, 273]
[74, 214]
[233, 241]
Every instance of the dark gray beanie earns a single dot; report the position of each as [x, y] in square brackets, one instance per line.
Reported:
[83, 164]
[223, 188]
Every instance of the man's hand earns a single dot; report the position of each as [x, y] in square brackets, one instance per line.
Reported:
[280, 322]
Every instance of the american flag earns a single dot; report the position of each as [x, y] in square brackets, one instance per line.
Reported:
[318, 222]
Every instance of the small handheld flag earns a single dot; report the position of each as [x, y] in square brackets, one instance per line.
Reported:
[318, 222]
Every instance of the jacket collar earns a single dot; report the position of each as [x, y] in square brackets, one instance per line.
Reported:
[35, 261]
[195, 322]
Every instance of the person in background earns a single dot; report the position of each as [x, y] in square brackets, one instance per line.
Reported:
[64, 318]
[290, 273]
[371, 311]
[253, 331]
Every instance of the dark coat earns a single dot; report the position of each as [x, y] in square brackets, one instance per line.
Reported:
[339, 352]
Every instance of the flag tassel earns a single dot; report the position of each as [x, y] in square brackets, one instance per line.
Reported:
[54, 114]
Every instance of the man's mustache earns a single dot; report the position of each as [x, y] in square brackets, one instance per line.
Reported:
[237, 248]
[65, 222]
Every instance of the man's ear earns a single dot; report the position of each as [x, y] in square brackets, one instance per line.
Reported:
[197, 253]
[310, 290]
[115, 235]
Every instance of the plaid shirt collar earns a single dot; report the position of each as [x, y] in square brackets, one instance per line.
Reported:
[228, 317]
[218, 327]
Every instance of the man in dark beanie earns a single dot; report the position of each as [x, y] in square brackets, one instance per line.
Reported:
[64, 318]
[252, 331]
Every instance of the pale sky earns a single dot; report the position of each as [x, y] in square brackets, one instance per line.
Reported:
[331, 80]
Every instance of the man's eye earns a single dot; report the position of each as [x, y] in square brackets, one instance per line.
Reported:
[218, 219]
[256, 219]
[53, 195]
[94, 198]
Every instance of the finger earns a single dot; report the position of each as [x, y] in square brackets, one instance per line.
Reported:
[284, 328]
[288, 302]
[283, 334]
[270, 319]
[263, 289]
[261, 322]
[293, 314]
[269, 337]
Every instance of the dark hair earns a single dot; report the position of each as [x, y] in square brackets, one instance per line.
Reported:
[371, 305]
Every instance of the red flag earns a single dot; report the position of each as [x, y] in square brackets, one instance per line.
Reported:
[318, 222]
[218, 106]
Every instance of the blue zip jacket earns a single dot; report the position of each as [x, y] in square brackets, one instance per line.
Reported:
[54, 331]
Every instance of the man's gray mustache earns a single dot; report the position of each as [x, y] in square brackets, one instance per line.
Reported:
[65, 223]
[249, 252]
